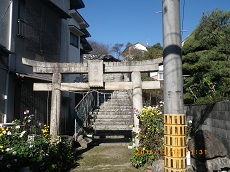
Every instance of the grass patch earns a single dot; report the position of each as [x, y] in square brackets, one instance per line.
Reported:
[106, 158]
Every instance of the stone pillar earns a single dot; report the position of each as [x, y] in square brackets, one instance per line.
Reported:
[137, 100]
[55, 106]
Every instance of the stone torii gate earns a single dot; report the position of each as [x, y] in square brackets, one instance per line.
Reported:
[95, 69]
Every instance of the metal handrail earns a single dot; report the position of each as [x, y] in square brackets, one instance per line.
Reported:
[82, 111]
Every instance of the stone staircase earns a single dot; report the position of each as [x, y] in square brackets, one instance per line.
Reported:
[113, 119]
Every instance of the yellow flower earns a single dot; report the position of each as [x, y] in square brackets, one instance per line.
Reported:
[1, 134]
[1, 147]
[143, 148]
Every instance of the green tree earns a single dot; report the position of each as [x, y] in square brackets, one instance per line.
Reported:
[154, 52]
[205, 56]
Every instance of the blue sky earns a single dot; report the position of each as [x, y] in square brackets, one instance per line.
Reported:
[122, 21]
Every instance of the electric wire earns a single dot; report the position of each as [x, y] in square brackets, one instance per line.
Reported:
[182, 21]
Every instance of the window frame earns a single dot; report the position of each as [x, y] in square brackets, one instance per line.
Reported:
[74, 40]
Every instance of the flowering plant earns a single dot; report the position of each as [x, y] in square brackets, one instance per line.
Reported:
[151, 128]
[21, 145]
[151, 136]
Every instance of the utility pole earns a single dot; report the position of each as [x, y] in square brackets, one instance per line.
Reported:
[174, 118]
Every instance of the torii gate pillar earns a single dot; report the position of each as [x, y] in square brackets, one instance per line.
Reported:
[55, 106]
[137, 100]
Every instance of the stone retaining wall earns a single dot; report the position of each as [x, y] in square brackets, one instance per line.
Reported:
[214, 118]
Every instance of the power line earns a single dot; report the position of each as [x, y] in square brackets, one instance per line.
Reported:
[182, 21]
[4, 14]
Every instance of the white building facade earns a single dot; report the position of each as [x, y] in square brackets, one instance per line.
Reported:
[51, 31]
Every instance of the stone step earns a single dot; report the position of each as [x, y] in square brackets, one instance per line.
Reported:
[109, 105]
[108, 143]
[113, 123]
[113, 116]
[110, 137]
[103, 133]
[114, 112]
[111, 127]
[109, 132]
[111, 141]
[117, 103]
[114, 120]
[115, 107]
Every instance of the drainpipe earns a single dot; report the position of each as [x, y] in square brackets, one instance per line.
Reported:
[8, 61]
[7, 90]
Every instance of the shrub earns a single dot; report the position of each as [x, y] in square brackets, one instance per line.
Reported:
[20, 147]
[151, 136]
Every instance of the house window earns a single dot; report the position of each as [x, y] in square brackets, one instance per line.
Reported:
[160, 75]
[74, 40]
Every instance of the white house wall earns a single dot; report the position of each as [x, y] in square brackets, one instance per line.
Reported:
[156, 75]
[19, 49]
[140, 47]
